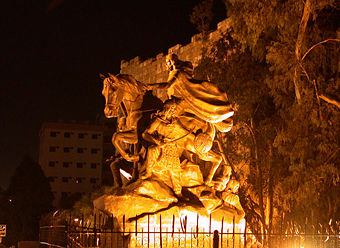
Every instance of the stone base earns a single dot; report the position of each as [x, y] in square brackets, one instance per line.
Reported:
[150, 201]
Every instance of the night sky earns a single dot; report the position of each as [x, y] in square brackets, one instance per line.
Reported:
[52, 52]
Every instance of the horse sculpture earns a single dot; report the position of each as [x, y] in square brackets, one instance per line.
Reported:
[203, 110]
[124, 97]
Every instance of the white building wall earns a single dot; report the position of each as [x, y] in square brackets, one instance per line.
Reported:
[71, 155]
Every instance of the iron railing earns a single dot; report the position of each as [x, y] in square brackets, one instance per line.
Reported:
[105, 233]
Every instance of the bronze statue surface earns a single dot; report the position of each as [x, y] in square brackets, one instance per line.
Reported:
[177, 160]
[124, 98]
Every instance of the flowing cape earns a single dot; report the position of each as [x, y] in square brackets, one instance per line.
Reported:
[203, 98]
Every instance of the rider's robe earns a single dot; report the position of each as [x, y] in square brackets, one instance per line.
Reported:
[203, 98]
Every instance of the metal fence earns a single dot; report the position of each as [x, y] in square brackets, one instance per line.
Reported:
[104, 232]
[54, 235]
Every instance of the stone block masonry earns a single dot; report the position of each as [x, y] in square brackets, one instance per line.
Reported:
[153, 70]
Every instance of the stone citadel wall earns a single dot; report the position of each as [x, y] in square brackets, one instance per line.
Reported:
[153, 70]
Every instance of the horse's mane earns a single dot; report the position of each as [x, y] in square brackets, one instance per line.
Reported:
[128, 82]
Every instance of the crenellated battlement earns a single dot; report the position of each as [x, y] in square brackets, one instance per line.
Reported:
[154, 70]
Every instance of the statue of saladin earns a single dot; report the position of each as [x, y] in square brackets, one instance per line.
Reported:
[174, 154]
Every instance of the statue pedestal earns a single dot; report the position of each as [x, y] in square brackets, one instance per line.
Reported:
[149, 211]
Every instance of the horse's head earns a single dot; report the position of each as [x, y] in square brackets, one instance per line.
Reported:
[113, 96]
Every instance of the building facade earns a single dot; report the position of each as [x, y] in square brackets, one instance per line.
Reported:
[71, 156]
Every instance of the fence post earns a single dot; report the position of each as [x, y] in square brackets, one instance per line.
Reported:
[136, 227]
[234, 231]
[82, 228]
[210, 230]
[173, 225]
[330, 231]
[160, 230]
[245, 233]
[124, 231]
[185, 230]
[197, 231]
[95, 229]
[222, 232]
[215, 239]
[148, 230]
[87, 234]
[99, 223]
[336, 234]
[111, 230]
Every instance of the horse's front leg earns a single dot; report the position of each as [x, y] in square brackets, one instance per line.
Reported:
[129, 137]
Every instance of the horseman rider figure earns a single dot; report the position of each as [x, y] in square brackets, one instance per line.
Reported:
[192, 115]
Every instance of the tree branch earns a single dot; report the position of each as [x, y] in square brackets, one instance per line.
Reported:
[317, 44]
[329, 100]
[331, 156]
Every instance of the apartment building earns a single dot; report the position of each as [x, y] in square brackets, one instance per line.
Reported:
[71, 156]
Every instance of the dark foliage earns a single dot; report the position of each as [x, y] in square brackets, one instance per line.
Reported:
[284, 146]
[26, 199]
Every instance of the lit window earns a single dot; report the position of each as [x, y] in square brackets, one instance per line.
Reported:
[79, 180]
[53, 134]
[67, 135]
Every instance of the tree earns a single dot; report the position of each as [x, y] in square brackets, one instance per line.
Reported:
[27, 198]
[249, 145]
[202, 15]
[276, 63]
[298, 41]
